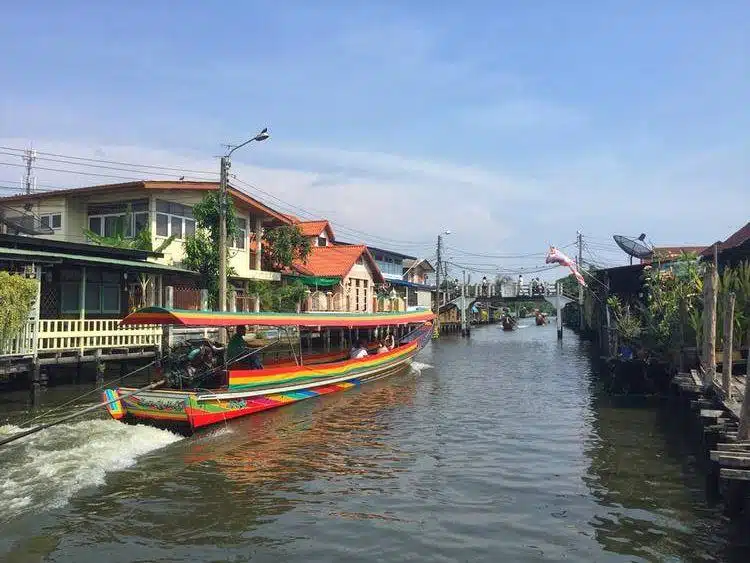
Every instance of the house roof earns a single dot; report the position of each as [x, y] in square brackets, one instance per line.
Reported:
[391, 253]
[45, 257]
[155, 185]
[82, 249]
[314, 228]
[738, 238]
[336, 261]
[411, 263]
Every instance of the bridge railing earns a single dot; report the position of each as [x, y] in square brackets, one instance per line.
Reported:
[515, 289]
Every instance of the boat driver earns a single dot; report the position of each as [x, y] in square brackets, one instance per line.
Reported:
[237, 347]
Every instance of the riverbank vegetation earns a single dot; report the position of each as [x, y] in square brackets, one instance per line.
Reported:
[17, 294]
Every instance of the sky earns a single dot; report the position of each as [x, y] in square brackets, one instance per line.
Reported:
[512, 124]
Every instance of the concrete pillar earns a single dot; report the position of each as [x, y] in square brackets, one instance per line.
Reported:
[204, 300]
[258, 242]
[82, 311]
[167, 330]
[232, 296]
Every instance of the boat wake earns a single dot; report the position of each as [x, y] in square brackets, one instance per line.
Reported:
[45, 470]
[419, 367]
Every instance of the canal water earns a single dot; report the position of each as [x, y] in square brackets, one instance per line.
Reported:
[495, 448]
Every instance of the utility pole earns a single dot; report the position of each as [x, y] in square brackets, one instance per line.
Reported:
[436, 332]
[580, 287]
[223, 182]
[463, 306]
[225, 164]
[29, 181]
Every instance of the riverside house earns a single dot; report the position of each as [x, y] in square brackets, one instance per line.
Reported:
[85, 289]
[340, 277]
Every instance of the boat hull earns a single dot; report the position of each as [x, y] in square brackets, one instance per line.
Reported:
[255, 391]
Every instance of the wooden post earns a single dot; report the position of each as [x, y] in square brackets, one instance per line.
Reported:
[559, 314]
[726, 370]
[743, 433]
[709, 334]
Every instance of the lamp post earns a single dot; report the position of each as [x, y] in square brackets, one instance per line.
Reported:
[225, 165]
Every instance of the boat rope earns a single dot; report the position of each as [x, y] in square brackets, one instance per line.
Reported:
[86, 394]
[46, 425]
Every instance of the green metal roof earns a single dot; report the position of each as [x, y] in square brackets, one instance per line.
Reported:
[44, 256]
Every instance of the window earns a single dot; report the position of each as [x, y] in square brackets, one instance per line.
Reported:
[126, 219]
[162, 225]
[174, 220]
[322, 241]
[240, 241]
[51, 221]
[102, 296]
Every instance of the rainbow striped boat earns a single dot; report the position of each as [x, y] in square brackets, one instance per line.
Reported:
[245, 391]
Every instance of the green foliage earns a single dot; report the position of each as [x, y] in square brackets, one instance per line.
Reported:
[736, 280]
[671, 296]
[284, 245]
[628, 325]
[202, 249]
[17, 294]
[206, 213]
[282, 298]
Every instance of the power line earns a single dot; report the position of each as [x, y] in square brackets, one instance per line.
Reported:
[81, 173]
[99, 160]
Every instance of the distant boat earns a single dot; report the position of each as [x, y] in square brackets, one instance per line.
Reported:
[508, 323]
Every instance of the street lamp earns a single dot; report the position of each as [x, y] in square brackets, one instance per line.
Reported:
[225, 165]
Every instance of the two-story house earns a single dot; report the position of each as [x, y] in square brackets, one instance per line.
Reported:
[165, 208]
[341, 277]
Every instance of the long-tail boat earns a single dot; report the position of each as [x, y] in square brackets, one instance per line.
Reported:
[191, 398]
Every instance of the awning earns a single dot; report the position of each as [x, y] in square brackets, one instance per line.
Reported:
[158, 315]
[23, 255]
[404, 283]
[316, 281]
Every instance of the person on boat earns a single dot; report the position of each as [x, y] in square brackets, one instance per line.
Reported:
[382, 348]
[360, 351]
[390, 342]
[237, 347]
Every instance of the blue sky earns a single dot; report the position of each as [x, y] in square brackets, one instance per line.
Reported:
[513, 124]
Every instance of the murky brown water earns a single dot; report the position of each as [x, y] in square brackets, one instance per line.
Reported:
[496, 448]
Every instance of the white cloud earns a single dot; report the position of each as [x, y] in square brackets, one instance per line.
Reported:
[400, 202]
[523, 115]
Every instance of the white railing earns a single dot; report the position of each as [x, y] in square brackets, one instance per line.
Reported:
[63, 335]
[515, 289]
[60, 335]
[21, 345]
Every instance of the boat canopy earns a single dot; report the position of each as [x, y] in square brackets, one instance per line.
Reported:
[180, 317]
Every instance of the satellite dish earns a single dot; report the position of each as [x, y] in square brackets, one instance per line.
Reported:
[634, 247]
[22, 222]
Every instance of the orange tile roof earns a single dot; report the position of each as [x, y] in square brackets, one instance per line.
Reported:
[314, 228]
[336, 261]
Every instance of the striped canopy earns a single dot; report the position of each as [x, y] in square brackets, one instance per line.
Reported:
[158, 315]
